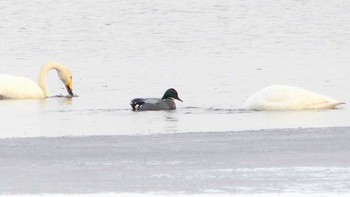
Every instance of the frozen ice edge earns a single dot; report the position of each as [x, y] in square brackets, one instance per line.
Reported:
[187, 195]
[313, 159]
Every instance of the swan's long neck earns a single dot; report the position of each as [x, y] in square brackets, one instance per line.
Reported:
[43, 73]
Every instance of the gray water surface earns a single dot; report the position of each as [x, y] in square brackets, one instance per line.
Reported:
[215, 53]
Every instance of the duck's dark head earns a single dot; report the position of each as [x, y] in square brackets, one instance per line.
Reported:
[171, 94]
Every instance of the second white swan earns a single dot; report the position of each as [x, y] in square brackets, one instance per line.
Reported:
[283, 97]
[14, 87]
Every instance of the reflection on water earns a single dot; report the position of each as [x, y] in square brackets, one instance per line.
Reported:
[171, 117]
[63, 100]
[66, 100]
[20, 102]
[171, 122]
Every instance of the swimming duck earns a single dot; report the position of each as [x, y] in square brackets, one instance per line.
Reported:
[165, 103]
[14, 87]
[283, 97]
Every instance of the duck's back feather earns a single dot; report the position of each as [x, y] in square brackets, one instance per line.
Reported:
[281, 97]
[143, 104]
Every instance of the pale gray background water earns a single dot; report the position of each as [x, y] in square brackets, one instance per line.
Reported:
[215, 53]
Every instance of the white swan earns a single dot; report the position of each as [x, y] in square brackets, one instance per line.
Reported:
[13, 87]
[282, 97]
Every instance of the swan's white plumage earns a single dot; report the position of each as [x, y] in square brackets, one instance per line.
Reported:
[19, 87]
[14, 87]
[282, 97]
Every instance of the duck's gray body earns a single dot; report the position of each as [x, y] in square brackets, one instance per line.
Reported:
[141, 104]
[164, 103]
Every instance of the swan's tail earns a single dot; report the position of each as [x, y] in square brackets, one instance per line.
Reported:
[330, 105]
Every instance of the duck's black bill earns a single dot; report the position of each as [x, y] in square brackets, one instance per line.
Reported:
[69, 90]
[179, 99]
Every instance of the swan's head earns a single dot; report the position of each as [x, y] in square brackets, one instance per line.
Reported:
[66, 77]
